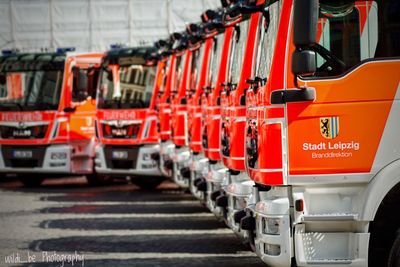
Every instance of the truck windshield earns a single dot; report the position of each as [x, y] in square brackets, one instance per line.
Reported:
[238, 50]
[196, 65]
[30, 90]
[216, 59]
[267, 34]
[126, 87]
[180, 60]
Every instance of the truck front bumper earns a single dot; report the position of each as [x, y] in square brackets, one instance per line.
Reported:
[165, 164]
[198, 185]
[126, 161]
[47, 159]
[181, 160]
[216, 175]
[238, 193]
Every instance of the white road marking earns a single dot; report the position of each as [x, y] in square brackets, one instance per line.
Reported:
[84, 256]
[125, 203]
[161, 255]
[63, 216]
[62, 233]
[157, 255]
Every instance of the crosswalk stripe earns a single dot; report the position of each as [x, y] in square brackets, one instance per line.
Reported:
[125, 203]
[62, 216]
[141, 256]
[161, 255]
[161, 232]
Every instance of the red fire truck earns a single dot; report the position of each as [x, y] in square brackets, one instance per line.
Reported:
[126, 116]
[201, 51]
[215, 171]
[244, 17]
[322, 135]
[211, 31]
[47, 114]
[163, 107]
[180, 83]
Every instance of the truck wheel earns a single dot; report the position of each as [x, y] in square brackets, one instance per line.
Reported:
[31, 180]
[394, 256]
[98, 179]
[148, 183]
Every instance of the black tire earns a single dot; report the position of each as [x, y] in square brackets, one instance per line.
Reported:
[95, 179]
[394, 255]
[31, 180]
[148, 183]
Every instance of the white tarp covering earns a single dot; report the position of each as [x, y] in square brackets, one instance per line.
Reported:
[92, 25]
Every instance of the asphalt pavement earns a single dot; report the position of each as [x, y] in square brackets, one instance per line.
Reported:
[67, 223]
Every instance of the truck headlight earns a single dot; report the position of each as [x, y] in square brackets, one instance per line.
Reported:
[58, 155]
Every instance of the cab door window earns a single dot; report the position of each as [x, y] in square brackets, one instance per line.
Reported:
[237, 52]
[351, 32]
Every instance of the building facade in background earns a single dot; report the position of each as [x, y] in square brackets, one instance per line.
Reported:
[92, 25]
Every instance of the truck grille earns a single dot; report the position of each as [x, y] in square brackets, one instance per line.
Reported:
[129, 131]
[31, 132]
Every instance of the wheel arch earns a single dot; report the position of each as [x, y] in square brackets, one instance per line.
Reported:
[378, 189]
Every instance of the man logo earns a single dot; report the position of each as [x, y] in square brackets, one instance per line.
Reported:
[21, 125]
[329, 127]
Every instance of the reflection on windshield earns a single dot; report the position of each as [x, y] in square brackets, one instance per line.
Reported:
[237, 51]
[126, 87]
[180, 60]
[30, 90]
[268, 40]
[216, 59]
[197, 62]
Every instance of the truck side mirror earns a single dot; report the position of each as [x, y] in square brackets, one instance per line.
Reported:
[108, 72]
[303, 62]
[80, 85]
[304, 36]
[305, 22]
[69, 109]
[225, 3]
[93, 78]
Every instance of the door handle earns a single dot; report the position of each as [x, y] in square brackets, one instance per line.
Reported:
[292, 95]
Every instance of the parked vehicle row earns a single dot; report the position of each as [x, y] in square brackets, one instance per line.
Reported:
[47, 114]
[281, 117]
[68, 113]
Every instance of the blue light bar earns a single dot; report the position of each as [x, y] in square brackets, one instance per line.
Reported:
[62, 50]
[117, 46]
[9, 52]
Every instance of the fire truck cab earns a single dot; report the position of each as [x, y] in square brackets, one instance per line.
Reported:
[126, 117]
[179, 121]
[244, 17]
[47, 114]
[163, 106]
[322, 135]
[215, 171]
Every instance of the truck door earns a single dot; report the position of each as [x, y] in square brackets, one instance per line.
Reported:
[340, 130]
